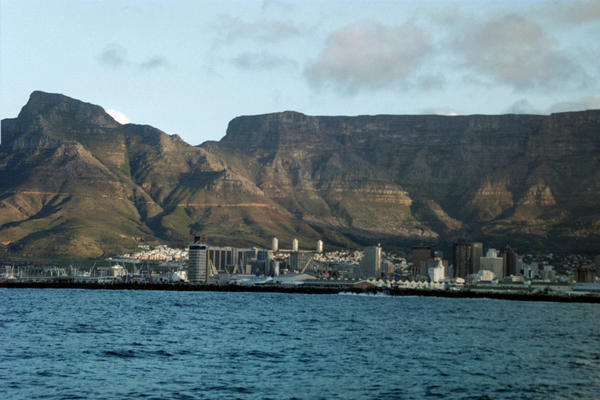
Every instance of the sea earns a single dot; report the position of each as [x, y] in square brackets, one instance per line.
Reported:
[109, 344]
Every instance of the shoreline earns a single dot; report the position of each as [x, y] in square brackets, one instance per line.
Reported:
[305, 289]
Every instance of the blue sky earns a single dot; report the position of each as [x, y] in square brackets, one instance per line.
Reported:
[189, 67]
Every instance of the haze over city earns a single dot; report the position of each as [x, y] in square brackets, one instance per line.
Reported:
[189, 67]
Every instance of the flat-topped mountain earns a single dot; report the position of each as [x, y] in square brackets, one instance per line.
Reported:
[76, 183]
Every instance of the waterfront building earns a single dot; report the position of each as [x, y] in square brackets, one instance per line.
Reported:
[584, 273]
[299, 260]
[197, 264]
[421, 255]
[528, 272]
[115, 271]
[511, 261]
[462, 259]
[548, 273]
[220, 257]
[370, 265]
[388, 267]
[426, 266]
[437, 273]
[476, 254]
[263, 262]
[226, 259]
[485, 275]
[491, 262]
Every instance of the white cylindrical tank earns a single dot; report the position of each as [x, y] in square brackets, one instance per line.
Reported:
[319, 246]
[275, 244]
[295, 244]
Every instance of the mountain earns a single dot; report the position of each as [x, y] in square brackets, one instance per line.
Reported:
[76, 183]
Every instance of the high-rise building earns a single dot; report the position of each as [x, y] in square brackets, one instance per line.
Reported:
[491, 262]
[370, 265]
[275, 244]
[511, 261]
[476, 254]
[295, 244]
[197, 264]
[420, 256]
[462, 259]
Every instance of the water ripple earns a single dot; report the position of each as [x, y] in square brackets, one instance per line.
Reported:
[77, 344]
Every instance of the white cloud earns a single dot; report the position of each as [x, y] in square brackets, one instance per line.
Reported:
[573, 12]
[441, 111]
[512, 50]
[432, 81]
[370, 56]
[522, 106]
[118, 116]
[113, 56]
[584, 103]
[154, 62]
[262, 61]
[232, 29]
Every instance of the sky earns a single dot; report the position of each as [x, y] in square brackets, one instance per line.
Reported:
[189, 67]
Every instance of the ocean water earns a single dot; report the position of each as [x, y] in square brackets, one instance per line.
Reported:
[102, 344]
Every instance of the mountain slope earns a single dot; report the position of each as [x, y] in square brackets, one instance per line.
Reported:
[75, 183]
[533, 179]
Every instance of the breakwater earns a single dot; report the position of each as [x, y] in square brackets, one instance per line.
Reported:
[305, 289]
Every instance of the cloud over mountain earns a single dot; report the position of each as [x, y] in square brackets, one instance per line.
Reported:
[584, 103]
[512, 50]
[369, 56]
[118, 116]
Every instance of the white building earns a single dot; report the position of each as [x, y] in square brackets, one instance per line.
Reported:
[485, 275]
[437, 273]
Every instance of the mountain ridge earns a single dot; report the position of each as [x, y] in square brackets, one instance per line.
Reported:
[348, 180]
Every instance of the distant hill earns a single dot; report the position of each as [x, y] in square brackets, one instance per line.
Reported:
[75, 183]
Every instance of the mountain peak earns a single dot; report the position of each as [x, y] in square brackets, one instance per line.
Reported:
[54, 107]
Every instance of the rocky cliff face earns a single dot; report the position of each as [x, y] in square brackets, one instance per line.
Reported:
[75, 183]
[531, 179]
